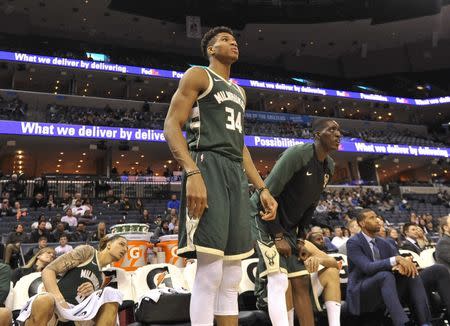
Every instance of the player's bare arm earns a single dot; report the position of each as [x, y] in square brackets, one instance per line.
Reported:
[193, 83]
[61, 265]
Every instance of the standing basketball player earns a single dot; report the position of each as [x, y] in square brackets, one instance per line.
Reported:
[297, 181]
[78, 295]
[214, 225]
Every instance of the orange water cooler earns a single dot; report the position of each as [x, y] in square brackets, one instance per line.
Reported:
[138, 237]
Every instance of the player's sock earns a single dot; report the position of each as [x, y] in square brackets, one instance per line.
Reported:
[277, 284]
[227, 296]
[291, 317]
[206, 285]
[333, 313]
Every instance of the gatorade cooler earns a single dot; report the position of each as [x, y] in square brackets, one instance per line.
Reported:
[138, 242]
[169, 244]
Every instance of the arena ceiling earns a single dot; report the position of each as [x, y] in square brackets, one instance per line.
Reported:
[298, 34]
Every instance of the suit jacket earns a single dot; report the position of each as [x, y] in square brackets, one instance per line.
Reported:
[408, 245]
[443, 251]
[362, 266]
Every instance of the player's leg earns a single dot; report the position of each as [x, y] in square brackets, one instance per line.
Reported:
[5, 317]
[42, 310]
[330, 281]
[107, 314]
[206, 285]
[226, 309]
[271, 285]
[302, 301]
[277, 286]
[290, 304]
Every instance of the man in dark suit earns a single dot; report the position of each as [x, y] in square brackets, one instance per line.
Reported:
[443, 245]
[379, 277]
[435, 278]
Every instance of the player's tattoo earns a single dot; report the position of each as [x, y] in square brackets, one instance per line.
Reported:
[71, 259]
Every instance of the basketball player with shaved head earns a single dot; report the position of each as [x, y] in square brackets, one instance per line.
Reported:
[296, 181]
[214, 225]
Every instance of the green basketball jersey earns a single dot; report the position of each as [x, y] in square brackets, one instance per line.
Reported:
[217, 119]
[87, 272]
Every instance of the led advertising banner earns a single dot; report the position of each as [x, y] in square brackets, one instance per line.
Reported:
[148, 135]
[146, 71]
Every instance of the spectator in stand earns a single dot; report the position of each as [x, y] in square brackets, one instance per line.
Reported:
[125, 204]
[80, 235]
[110, 199]
[41, 231]
[146, 217]
[382, 232]
[38, 201]
[14, 188]
[353, 227]
[58, 232]
[139, 206]
[339, 238]
[435, 277]
[15, 238]
[41, 217]
[413, 218]
[75, 198]
[160, 231]
[422, 240]
[443, 245]
[173, 223]
[41, 243]
[100, 233]
[51, 203]
[63, 245]
[79, 209]
[18, 211]
[393, 237]
[173, 203]
[71, 220]
[66, 201]
[5, 208]
[36, 263]
[172, 214]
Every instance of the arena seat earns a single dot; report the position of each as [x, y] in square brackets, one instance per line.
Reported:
[25, 288]
[427, 257]
[152, 276]
[416, 258]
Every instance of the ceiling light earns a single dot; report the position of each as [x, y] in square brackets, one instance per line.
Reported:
[169, 161]
[137, 163]
[59, 160]
[81, 161]
[117, 162]
[78, 166]
[19, 152]
[84, 154]
[162, 92]
[165, 166]
[62, 153]
[77, 171]
[122, 155]
[57, 81]
[142, 156]
[377, 166]
[58, 166]
[57, 171]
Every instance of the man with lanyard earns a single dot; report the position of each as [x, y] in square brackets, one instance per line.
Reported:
[296, 181]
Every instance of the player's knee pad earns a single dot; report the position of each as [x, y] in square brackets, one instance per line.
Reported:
[227, 297]
[232, 275]
[209, 273]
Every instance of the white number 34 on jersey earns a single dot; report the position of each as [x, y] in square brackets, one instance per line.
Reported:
[232, 123]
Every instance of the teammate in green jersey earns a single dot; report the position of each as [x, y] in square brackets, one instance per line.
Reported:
[214, 225]
[296, 181]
